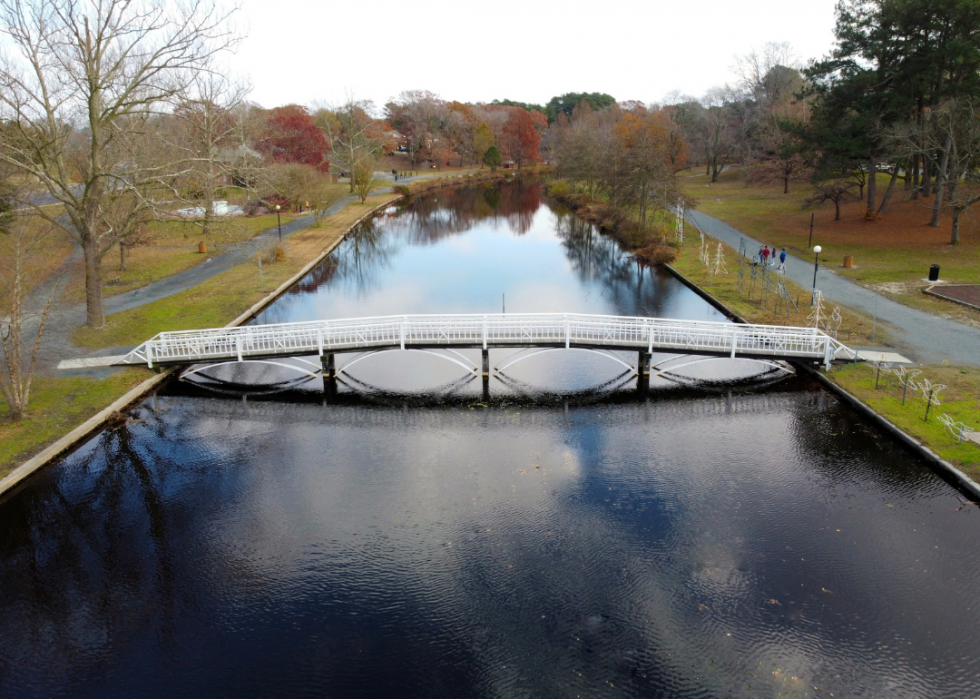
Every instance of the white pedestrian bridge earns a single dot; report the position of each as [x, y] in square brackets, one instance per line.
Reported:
[446, 333]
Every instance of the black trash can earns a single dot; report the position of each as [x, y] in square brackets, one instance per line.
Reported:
[934, 273]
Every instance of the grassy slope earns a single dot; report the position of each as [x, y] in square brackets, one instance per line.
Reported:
[60, 404]
[960, 400]
[893, 252]
[855, 329]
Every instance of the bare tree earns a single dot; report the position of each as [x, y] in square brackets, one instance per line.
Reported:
[292, 181]
[718, 134]
[208, 138]
[835, 189]
[322, 195]
[356, 138]
[82, 86]
[418, 116]
[957, 131]
[21, 332]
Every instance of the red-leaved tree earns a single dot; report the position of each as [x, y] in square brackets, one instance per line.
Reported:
[291, 136]
[521, 139]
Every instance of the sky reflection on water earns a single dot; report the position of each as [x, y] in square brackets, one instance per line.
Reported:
[755, 542]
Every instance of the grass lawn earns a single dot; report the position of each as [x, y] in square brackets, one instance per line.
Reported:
[960, 400]
[173, 248]
[856, 329]
[58, 405]
[221, 299]
[892, 253]
[48, 251]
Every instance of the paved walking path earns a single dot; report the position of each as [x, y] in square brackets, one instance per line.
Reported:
[222, 262]
[921, 336]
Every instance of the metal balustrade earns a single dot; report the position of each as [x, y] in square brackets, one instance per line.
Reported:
[487, 331]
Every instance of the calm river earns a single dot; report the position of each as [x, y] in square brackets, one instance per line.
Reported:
[568, 538]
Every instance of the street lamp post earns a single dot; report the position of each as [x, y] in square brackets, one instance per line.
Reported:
[816, 265]
[278, 222]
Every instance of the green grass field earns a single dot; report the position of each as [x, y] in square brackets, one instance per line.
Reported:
[173, 248]
[960, 400]
[58, 405]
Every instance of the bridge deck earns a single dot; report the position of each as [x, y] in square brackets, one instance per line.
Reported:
[487, 331]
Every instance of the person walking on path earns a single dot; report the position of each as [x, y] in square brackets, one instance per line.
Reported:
[921, 336]
[765, 255]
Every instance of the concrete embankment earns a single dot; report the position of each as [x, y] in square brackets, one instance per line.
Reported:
[112, 413]
[943, 467]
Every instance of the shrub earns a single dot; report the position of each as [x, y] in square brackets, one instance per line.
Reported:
[656, 254]
[559, 189]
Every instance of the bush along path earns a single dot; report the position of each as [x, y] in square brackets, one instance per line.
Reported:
[921, 336]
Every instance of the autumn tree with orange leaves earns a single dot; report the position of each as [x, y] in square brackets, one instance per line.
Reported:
[629, 155]
[642, 165]
[521, 138]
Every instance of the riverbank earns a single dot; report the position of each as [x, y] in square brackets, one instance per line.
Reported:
[75, 405]
[892, 254]
[960, 400]
[64, 403]
[711, 268]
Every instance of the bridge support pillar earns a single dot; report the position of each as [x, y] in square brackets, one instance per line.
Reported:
[643, 371]
[329, 365]
[486, 375]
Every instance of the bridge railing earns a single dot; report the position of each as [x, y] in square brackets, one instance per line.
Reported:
[489, 330]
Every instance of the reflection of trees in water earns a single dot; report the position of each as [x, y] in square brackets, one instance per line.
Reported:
[597, 258]
[357, 261]
[89, 551]
[453, 211]
[429, 219]
[102, 553]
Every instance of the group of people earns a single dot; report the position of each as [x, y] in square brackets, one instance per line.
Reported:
[767, 257]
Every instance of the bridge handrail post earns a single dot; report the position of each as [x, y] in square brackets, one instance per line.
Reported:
[319, 340]
[149, 354]
[238, 346]
[486, 329]
[568, 332]
[402, 330]
[734, 342]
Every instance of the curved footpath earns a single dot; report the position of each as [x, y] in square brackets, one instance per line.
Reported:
[58, 344]
[222, 262]
[921, 336]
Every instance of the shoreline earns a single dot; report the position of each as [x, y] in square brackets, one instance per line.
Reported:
[944, 468]
[81, 434]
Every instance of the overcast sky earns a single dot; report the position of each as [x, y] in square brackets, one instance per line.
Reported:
[300, 51]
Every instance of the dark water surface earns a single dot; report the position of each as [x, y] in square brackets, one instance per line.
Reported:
[410, 540]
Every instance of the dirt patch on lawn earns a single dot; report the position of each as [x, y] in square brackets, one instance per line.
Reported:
[965, 293]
